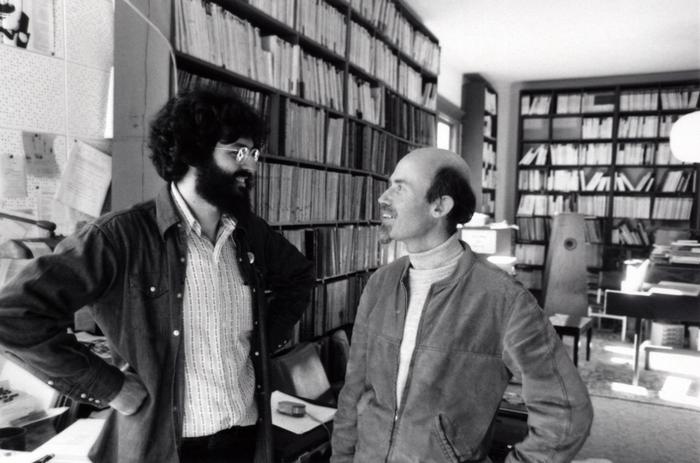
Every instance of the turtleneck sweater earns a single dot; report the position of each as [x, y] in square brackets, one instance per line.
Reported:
[426, 268]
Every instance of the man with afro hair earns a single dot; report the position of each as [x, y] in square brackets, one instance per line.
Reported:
[192, 290]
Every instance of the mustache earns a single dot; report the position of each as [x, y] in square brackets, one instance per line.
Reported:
[245, 173]
[387, 209]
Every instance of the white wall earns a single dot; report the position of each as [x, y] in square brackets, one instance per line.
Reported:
[450, 83]
[61, 94]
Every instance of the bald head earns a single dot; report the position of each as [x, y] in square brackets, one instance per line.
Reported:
[430, 160]
[447, 174]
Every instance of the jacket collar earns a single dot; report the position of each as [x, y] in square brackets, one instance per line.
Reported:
[168, 216]
[166, 211]
[464, 266]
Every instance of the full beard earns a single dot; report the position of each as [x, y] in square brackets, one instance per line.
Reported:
[224, 190]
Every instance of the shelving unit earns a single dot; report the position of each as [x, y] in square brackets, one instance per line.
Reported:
[347, 89]
[603, 152]
[480, 106]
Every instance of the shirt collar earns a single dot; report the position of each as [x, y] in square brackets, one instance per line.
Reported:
[228, 223]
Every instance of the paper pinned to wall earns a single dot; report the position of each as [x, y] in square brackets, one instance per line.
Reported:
[86, 179]
[39, 154]
[42, 28]
[13, 176]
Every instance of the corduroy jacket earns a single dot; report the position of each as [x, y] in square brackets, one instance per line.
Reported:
[476, 328]
[129, 266]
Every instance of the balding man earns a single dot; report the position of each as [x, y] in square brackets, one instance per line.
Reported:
[438, 334]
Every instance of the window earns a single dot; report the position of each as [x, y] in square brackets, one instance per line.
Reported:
[448, 133]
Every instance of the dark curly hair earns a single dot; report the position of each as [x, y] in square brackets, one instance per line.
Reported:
[448, 181]
[186, 130]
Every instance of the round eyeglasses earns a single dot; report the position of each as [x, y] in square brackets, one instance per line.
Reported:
[243, 152]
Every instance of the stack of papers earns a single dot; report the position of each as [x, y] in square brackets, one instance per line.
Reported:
[676, 288]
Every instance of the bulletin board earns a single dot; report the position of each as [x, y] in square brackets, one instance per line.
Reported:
[54, 104]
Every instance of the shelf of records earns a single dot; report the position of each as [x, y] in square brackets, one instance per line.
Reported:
[567, 128]
[681, 98]
[661, 208]
[333, 304]
[490, 102]
[291, 58]
[330, 144]
[390, 22]
[575, 154]
[567, 102]
[383, 109]
[488, 177]
[536, 230]
[335, 298]
[293, 194]
[341, 250]
[488, 201]
[530, 259]
[533, 235]
[591, 179]
[319, 20]
[532, 256]
[489, 172]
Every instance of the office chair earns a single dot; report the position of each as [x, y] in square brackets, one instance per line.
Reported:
[298, 371]
[607, 279]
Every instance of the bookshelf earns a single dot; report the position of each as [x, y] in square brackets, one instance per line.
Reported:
[480, 106]
[603, 152]
[347, 88]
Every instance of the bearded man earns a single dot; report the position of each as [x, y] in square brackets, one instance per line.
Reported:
[192, 290]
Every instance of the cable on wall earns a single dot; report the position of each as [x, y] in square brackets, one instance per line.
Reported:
[165, 39]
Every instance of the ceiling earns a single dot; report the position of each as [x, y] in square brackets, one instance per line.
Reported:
[510, 41]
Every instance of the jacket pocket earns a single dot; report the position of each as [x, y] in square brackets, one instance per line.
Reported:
[148, 307]
[448, 449]
[147, 286]
[453, 450]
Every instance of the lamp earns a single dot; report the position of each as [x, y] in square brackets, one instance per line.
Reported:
[685, 146]
[685, 138]
[635, 271]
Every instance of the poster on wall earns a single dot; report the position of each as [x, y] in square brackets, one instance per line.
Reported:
[28, 24]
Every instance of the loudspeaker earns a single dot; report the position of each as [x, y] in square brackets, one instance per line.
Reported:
[564, 285]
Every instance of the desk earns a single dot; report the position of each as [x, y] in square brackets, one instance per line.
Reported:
[650, 306]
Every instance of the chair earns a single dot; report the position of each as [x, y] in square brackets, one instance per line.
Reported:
[298, 371]
[335, 351]
[607, 279]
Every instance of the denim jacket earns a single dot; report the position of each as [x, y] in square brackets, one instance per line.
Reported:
[129, 266]
[476, 328]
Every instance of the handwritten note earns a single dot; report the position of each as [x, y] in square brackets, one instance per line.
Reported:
[86, 179]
